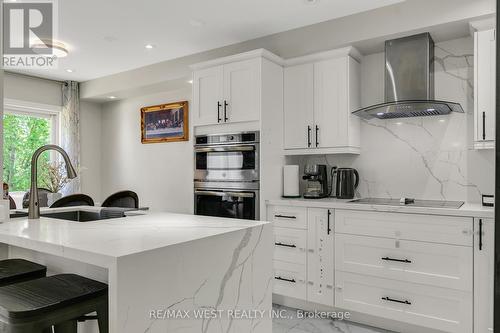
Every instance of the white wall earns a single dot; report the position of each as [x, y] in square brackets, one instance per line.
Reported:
[160, 173]
[90, 149]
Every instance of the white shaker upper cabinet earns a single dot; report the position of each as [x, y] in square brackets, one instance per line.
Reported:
[321, 92]
[484, 88]
[237, 88]
[207, 91]
[484, 272]
[298, 117]
[242, 91]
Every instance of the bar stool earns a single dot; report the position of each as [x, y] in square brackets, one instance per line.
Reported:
[19, 270]
[37, 305]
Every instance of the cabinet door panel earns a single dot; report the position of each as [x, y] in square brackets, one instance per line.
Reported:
[287, 216]
[331, 107]
[242, 90]
[289, 279]
[207, 94]
[418, 227]
[290, 245]
[320, 256]
[298, 106]
[442, 309]
[484, 270]
[443, 265]
[485, 60]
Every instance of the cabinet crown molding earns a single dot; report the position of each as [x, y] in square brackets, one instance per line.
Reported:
[481, 25]
[262, 53]
[337, 53]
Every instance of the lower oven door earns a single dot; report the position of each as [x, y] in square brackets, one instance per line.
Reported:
[238, 204]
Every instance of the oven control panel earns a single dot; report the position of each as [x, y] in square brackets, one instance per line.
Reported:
[246, 137]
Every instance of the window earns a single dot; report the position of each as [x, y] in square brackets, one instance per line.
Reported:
[26, 127]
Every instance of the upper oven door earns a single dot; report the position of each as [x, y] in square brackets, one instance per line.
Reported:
[238, 162]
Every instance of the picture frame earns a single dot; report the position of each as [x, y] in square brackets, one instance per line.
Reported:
[165, 122]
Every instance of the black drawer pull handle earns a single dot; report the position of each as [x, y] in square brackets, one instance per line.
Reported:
[397, 260]
[225, 110]
[285, 216]
[285, 245]
[283, 279]
[317, 140]
[218, 112]
[480, 234]
[308, 136]
[328, 229]
[484, 125]
[388, 299]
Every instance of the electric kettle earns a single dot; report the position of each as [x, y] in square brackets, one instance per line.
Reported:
[347, 182]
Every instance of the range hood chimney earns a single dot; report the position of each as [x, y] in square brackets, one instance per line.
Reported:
[409, 81]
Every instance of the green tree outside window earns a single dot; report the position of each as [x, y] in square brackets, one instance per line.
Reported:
[22, 136]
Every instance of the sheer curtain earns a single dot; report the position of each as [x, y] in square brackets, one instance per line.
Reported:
[70, 130]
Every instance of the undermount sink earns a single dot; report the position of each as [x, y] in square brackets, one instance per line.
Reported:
[77, 215]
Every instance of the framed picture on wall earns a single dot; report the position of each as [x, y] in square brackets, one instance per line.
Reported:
[165, 123]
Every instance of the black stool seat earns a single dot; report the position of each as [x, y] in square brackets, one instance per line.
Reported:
[19, 270]
[36, 297]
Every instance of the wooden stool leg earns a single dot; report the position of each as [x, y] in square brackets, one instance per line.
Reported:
[69, 326]
[103, 317]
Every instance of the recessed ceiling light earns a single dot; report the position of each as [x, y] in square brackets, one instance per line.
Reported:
[112, 97]
[55, 48]
[310, 2]
[69, 70]
[196, 23]
[149, 46]
[190, 81]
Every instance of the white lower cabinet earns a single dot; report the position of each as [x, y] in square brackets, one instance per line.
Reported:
[303, 253]
[320, 255]
[484, 270]
[436, 308]
[430, 271]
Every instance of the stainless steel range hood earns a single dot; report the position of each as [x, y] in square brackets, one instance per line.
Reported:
[409, 81]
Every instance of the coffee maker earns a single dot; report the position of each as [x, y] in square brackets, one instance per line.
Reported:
[317, 181]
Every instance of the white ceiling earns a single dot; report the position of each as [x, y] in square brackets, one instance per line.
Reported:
[108, 37]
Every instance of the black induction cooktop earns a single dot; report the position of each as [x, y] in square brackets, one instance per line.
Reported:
[410, 203]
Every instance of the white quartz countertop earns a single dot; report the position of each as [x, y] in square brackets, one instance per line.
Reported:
[103, 241]
[467, 209]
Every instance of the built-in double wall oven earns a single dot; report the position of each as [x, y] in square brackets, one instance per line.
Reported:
[226, 175]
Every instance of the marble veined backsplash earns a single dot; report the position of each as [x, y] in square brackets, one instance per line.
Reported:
[425, 157]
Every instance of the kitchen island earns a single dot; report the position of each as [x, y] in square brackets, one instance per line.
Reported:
[162, 269]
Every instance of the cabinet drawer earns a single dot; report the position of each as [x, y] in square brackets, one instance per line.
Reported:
[427, 228]
[288, 216]
[290, 245]
[289, 279]
[442, 265]
[442, 309]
